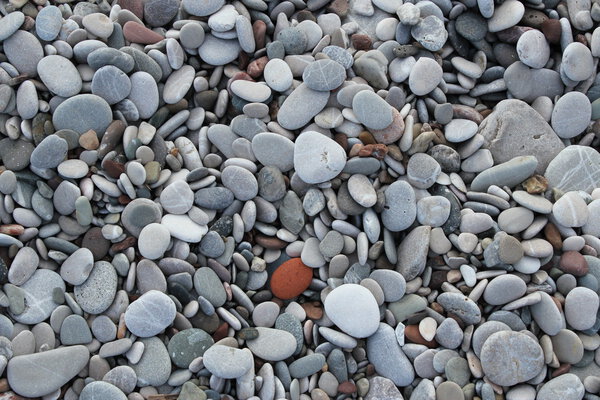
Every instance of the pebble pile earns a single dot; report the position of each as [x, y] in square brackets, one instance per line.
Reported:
[304, 200]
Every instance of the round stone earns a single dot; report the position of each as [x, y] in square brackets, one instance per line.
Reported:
[507, 15]
[240, 181]
[353, 309]
[150, 314]
[272, 344]
[577, 62]
[123, 377]
[178, 84]
[581, 306]
[154, 240]
[324, 75]
[144, 94]
[509, 358]
[177, 198]
[290, 279]
[81, 113]
[571, 115]
[112, 84]
[227, 362]
[187, 345]
[566, 386]
[96, 294]
[209, 286]
[459, 130]
[430, 33]
[12, 21]
[294, 40]
[567, 346]
[50, 152]
[422, 170]
[424, 76]
[272, 149]
[533, 49]
[301, 106]
[38, 291]
[400, 206]
[371, 110]
[154, 367]
[59, 74]
[216, 51]
[139, 213]
[278, 75]
[461, 306]
[433, 211]
[24, 51]
[574, 168]
[504, 289]
[317, 158]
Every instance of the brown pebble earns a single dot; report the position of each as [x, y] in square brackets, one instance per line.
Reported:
[89, 140]
[356, 148]
[313, 309]
[411, 332]
[341, 139]
[113, 169]
[12, 229]
[135, 6]
[366, 138]
[552, 235]
[121, 327]
[256, 67]
[347, 387]
[552, 30]
[361, 42]
[563, 369]
[221, 332]
[305, 15]
[588, 250]
[259, 29]
[270, 242]
[466, 112]
[572, 262]
[125, 244]
[137, 33]
[533, 18]
[373, 150]
[4, 385]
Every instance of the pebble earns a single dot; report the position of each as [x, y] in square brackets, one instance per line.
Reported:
[290, 279]
[353, 309]
[93, 113]
[101, 389]
[187, 345]
[571, 115]
[301, 106]
[12, 21]
[317, 158]
[227, 362]
[154, 367]
[574, 168]
[570, 210]
[272, 344]
[96, 294]
[65, 362]
[506, 16]
[37, 291]
[324, 75]
[567, 386]
[581, 305]
[425, 75]
[461, 306]
[401, 205]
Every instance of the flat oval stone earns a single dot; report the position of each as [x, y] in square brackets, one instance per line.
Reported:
[82, 113]
[533, 49]
[216, 51]
[324, 75]
[371, 110]
[178, 84]
[208, 285]
[581, 306]
[508, 358]
[110, 83]
[574, 168]
[508, 14]
[144, 94]
[251, 91]
[154, 368]
[96, 294]
[301, 106]
[547, 315]
[264, 145]
[571, 115]
[39, 302]
[153, 241]
[272, 344]
[50, 152]
[387, 356]
[318, 158]
[240, 181]
[227, 362]
[290, 279]
[108, 56]
[307, 365]
[150, 314]
[459, 130]
[353, 309]
[577, 62]
[59, 75]
[24, 52]
[187, 345]
[278, 75]
[401, 206]
[177, 198]
[139, 213]
[424, 76]
[65, 362]
[12, 21]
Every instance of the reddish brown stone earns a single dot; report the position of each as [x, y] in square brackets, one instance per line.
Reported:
[270, 242]
[122, 245]
[466, 112]
[342, 140]
[553, 236]
[313, 309]
[89, 140]
[290, 279]
[96, 243]
[135, 6]
[259, 29]
[552, 30]
[339, 7]
[113, 169]
[361, 42]
[391, 133]
[137, 33]
[563, 369]
[366, 137]
[12, 229]
[572, 262]
[347, 387]
[536, 184]
[373, 150]
[512, 34]
[221, 332]
[256, 67]
[411, 332]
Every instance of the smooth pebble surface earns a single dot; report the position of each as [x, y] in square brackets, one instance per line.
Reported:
[300, 200]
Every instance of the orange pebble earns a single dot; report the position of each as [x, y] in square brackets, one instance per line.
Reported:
[290, 279]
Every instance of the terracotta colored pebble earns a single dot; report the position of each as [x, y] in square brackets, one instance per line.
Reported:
[553, 236]
[256, 67]
[412, 333]
[361, 42]
[572, 262]
[135, 6]
[259, 29]
[290, 279]
[89, 140]
[552, 30]
[137, 33]
[313, 309]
